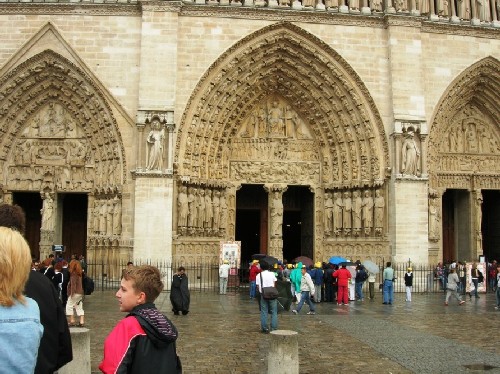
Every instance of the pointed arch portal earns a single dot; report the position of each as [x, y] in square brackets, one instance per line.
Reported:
[464, 165]
[280, 108]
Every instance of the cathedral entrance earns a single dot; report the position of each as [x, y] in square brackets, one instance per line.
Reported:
[74, 223]
[491, 224]
[31, 202]
[456, 226]
[298, 217]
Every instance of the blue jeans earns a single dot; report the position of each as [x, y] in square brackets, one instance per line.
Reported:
[252, 289]
[359, 290]
[388, 291]
[305, 298]
[266, 307]
[475, 282]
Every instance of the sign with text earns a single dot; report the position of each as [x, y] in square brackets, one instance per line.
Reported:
[231, 251]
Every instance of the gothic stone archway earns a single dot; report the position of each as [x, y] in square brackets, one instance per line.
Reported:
[278, 108]
[59, 135]
[464, 155]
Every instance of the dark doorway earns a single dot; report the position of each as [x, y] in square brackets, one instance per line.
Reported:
[251, 221]
[31, 202]
[298, 222]
[491, 224]
[456, 226]
[74, 224]
[292, 234]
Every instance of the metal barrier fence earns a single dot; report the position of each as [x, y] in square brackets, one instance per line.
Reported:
[205, 277]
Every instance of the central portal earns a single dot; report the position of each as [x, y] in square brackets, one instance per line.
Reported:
[253, 225]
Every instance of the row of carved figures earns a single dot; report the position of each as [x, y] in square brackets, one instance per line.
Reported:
[107, 216]
[201, 211]
[483, 10]
[355, 213]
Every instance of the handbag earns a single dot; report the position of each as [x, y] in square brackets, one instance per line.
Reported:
[268, 293]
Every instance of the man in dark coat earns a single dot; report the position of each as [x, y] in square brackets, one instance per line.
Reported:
[179, 294]
[55, 348]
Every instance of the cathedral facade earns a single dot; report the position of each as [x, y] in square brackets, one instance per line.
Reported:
[159, 129]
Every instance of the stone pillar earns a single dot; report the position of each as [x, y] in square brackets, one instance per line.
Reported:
[170, 151]
[283, 354]
[477, 219]
[423, 155]
[80, 340]
[275, 208]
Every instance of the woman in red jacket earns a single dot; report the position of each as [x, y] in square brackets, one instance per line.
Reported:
[343, 277]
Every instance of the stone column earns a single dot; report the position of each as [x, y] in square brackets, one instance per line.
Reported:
[140, 163]
[80, 341]
[275, 204]
[170, 151]
[477, 217]
[423, 155]
[283, 354]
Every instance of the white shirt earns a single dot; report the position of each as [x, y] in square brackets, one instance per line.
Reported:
[224, 271]
[268, 279]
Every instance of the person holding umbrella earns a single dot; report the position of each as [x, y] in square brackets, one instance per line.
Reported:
[343, 279]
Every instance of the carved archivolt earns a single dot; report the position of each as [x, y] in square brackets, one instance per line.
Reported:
[282, 106]
[56, 130]
[464, 141]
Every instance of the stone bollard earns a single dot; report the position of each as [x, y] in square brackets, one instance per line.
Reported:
[283, 355]
[80, 340]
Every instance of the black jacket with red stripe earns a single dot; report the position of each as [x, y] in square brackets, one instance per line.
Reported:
[143, 342]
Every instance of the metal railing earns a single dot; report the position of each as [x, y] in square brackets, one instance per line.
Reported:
[205, 277]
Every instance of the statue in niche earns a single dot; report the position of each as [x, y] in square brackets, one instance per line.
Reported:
[51, 123]
[117, 216]
[95, 216]
[290, 123]
[484, 141]
[379, 208]
[216, 209]
[470, 138]
[277, 214]
[411, 156]
[346, 214]
[103, 215]
[357, 204]
[328, 213]
[207, 222]
[223, 211]
[455, 139]
[47, 212]
[337, 212]
[276, 120]
[376, 5]
[182, 204]
[155, 139]
[109, 218]
[434, 219]
[464, 12]
[483, 10]
[367, 212]
[201, 208]
[192, 201]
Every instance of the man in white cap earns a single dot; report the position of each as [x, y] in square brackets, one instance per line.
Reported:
[223, 275]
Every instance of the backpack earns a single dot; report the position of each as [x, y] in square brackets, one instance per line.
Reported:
[88, 285]
[480, 277]
[363, 275]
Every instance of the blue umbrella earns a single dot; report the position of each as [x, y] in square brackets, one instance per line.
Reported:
[335, 260]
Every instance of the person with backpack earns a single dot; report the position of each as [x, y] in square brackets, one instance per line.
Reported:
[408, 283]
[75, 294]
[144, 341]
[361, 277]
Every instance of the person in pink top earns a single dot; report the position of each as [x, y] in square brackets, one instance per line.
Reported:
[343, 277]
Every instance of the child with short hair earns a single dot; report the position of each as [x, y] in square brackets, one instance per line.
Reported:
[144, 341]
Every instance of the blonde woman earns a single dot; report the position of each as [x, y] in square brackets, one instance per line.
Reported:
[75, 294]
[20, 327]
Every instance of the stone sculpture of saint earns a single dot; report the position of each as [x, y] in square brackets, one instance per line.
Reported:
[209, 213]
[479, 220]
[411, 156]
[182, 205]
[367, 212]
[192, 207]
[47, 212]
[275, 119]
[434, 219]
[346, 216]
[201, 208]
[277, 214]
[223, 212]
[464, 10]
[117, 216]
[109, 221]
[216, 209]
[328, 213]
[103, 217]
[338, 205]
[357, 204]
[379, 208]
[155, 146]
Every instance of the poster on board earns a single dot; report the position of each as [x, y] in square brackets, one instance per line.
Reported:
[482, 268]
[231, 251]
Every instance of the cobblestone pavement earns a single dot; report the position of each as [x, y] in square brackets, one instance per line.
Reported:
[221, 334]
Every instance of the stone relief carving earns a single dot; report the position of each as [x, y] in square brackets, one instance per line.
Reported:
[47, 212]
[434, 216]
[155, 145]
[106, 216]
[410, 158]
